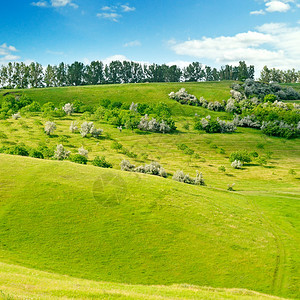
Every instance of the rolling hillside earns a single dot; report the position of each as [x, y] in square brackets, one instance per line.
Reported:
[107, 225]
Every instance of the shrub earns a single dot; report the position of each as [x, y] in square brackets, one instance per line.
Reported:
[253, 154]
[237, 164]
[73, 127]
[280, 128]
[261, 161]
[50, 127]
[68, 109]
[270, 98]
[292, 172]
[222, 169]
[60, 153]
[101, 162]
[36, 154]
[83, 152]
[127, 166]
[214, 126]
[116, 145]
[19, 150]
[89, 128]
[230, 187]
[185, 178]
[45, 150]
[79, 159]
[16, 116]
[241, 155]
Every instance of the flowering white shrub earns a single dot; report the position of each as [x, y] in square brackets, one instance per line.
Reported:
[203, 102]
[83, 152]
[73, 127]
[86, 128]
[68, 109]
[237, 164]
[60, 153]
[236, 95]
[16, 116]
[153, 125]
[126, 165]
[49, 127]
[154, 168]
[248, 121]
[199, 180]
[184, 97]
[89, 128]
[133, 106]
[96, 132]
[231, 106]
[226, 126]
[185, 178]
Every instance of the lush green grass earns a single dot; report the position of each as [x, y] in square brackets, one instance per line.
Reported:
[19, 282]
[115, 226]
[138, 93]
[160, 232]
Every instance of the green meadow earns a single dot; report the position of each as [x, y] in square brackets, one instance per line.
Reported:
[80, 231]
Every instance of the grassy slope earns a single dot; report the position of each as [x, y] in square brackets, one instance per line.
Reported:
[19, 282]
[141, 93]
[161, 232]
[208, 236]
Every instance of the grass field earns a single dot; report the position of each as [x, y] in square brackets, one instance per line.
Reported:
[31, 284]
[128, 228]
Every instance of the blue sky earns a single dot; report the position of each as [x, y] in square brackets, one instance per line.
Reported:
[261, 32]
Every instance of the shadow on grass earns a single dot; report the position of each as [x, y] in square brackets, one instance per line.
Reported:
[230, 175]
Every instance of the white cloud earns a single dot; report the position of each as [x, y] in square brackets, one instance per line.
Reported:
[127, 8]
[6, 53]
[273, 44]
[258, 12]
[132, 44]
[114, 13]
[119, 57]
[277, 6]
[110, 16]
[180, 63]
[108, 8]
[55, 3]
[9, 48]
[40, 4]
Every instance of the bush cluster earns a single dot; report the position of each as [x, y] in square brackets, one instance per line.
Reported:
[154, 168]
[214, 126]
[153, 125]
[185, 178]
[261, 90]
[242, 155]
[101, 162]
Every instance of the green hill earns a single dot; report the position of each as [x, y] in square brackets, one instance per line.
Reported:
[130, 228]
[32, 284]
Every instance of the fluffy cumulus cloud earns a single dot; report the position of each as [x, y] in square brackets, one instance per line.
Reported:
[272, 44]
[279, 6]
[55, 3]
[7, 53]
[114, 13]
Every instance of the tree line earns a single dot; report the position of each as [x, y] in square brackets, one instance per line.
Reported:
[275, 75]
[21, 75]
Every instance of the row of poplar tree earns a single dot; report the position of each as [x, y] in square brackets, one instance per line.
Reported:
[20, 75]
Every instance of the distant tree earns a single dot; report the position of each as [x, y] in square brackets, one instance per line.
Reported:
[36, 75]
[76, 73]
[50, 127]
[61, 153]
